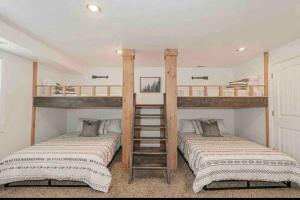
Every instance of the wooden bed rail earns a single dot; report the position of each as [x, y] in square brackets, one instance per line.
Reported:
[78, 90]
[251, 90]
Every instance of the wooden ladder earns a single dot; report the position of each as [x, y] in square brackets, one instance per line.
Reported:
[149, 153]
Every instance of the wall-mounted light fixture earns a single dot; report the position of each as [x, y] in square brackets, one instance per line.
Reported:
[95, 77]
[200, 77]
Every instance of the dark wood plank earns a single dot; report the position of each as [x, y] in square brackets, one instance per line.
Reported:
[222, 102]
[78, 102]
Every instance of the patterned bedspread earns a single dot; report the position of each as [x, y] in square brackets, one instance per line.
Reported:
[232, 158]
[67, 157]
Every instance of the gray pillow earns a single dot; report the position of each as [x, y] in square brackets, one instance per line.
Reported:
[210, 128]
[90, 128]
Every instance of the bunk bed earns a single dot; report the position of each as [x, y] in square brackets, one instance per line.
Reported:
[68, 157]
[78, 96]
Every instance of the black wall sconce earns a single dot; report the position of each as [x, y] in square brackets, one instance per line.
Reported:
[95, 77]
[200, 77]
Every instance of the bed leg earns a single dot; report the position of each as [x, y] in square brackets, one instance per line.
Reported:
[248, 184]
[49, 183]
[289, 184]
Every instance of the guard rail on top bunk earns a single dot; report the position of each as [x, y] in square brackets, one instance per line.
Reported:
[78, 96]
[222, 96]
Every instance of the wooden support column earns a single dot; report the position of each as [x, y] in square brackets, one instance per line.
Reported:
[171, 104]
[127, 113]
[34, 93]
[266, 93]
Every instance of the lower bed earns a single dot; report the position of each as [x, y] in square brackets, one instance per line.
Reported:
[67, 157]
[232, 158]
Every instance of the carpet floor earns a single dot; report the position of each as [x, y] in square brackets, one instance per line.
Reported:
[145, 184]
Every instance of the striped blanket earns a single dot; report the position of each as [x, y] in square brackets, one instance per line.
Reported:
[232, 158]
[67, 157]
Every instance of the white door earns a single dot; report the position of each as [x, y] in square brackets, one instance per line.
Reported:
[285, 87]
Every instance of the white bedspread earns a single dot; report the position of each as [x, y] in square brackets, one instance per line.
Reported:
[67, 157]
[232, 158]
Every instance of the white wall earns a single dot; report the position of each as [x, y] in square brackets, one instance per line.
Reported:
[17, 103]
[50, 122]
[250, 123]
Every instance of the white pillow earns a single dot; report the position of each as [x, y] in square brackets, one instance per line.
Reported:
[114, 126]
[186, 126]
[110, 126]
[103, 127]
[80, 123]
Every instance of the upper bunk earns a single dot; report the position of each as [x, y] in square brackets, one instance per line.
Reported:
[221, 96]
[78, 96]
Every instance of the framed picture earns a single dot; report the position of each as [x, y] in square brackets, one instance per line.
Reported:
[150, 84]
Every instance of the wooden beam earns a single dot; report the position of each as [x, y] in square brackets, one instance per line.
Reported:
[78, 102]
[128, 96]
[171, 104]
[34, 93]
[266, 93]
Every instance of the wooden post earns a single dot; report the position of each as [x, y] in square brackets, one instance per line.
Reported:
[34, 93]
[205, 91]
[251, 91]
[266, 93]
[171, 104]
[127, 113]
[190, 91]
[79, 91]
[94, 91]
[221, 91]
[236, 91]
[64, 91]
[108, 91]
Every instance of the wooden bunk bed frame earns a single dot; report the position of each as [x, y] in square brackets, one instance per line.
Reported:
[235, 101]
[173, 101]
[77, 99]
[250, 100]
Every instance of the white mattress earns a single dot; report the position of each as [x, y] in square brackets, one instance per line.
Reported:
[67, 157]
[232, 158]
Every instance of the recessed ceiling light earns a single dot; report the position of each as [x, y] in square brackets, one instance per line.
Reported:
[119, 51]
[241, 49]
[93, 7]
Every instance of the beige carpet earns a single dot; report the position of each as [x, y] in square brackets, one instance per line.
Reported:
[146, 185]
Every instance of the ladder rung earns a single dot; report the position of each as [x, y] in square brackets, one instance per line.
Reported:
[150, 139]
[149, 127]
[149, 116]
[149, 106]
[150, 167]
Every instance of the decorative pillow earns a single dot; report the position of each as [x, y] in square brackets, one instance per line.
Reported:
[210, 128]
[90, 128]
[186, 126]
[221, 124]
[80, 123]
